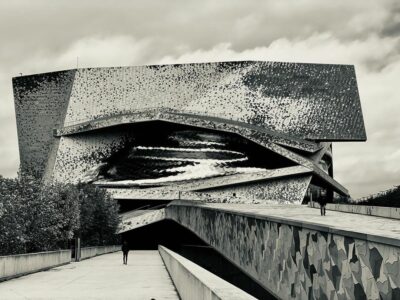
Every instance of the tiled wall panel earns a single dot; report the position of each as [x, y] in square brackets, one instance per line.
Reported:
[295, 262]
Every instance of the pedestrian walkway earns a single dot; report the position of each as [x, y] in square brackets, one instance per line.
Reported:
[101, 277]
[333, 221]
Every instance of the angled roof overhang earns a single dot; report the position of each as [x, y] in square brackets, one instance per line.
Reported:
[304, 101]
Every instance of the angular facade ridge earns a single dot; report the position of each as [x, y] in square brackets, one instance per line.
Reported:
[40, 104]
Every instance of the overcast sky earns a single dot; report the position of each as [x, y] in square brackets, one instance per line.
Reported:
[42, 36]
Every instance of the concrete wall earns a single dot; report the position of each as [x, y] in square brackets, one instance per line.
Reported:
[193, 282]
[378, 211]
[89, 252]
[17, 265]
[293, 261]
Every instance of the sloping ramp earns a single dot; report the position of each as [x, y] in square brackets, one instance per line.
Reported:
[102, 277]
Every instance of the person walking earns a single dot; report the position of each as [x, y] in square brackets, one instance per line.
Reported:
[323, 200]
[125, 251]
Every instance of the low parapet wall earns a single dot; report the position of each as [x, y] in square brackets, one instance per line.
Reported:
[377, 211]
[297, 259]
[193, 282]
[12, 266]
[89, 252]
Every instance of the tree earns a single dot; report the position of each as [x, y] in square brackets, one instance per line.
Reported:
[388, 198]
[36, 217]
[12, 229]
[99, 218]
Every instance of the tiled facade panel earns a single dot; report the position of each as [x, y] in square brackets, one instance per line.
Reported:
[274, 191]
[294, 262]
[303, 100]
[40, 105]
[78, 154]
[282, 190]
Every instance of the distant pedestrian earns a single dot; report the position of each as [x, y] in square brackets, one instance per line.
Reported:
[125, 251]
[323, 200]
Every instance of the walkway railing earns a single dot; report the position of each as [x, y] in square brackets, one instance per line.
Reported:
[377, 211]
[12, 266]
[89, 252]
[193, 282]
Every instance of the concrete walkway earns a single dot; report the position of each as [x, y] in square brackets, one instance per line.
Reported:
[370, 226]
[102, 277]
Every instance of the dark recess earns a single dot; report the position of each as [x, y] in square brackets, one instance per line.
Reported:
[128, 205]
[181, 240]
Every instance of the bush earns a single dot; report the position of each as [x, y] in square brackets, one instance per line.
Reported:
[34, 217]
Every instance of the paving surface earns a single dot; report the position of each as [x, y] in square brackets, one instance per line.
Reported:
[102, 277]
[356, 223]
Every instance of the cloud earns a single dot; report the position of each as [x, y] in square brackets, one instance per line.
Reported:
[52, 27]
[48, 36]
[375, 165]
[318, 48]
[111, 51]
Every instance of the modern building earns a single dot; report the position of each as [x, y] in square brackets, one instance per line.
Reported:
[254, 132]
[228, 132]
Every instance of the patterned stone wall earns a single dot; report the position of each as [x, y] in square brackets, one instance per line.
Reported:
[294, 262]
[40, 106]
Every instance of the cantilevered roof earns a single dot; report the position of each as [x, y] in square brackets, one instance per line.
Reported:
[306, 101]
[309, 101]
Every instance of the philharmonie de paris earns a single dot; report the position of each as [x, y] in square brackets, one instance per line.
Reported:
[215, 164]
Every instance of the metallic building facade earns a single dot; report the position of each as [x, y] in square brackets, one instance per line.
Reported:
[245, 132]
